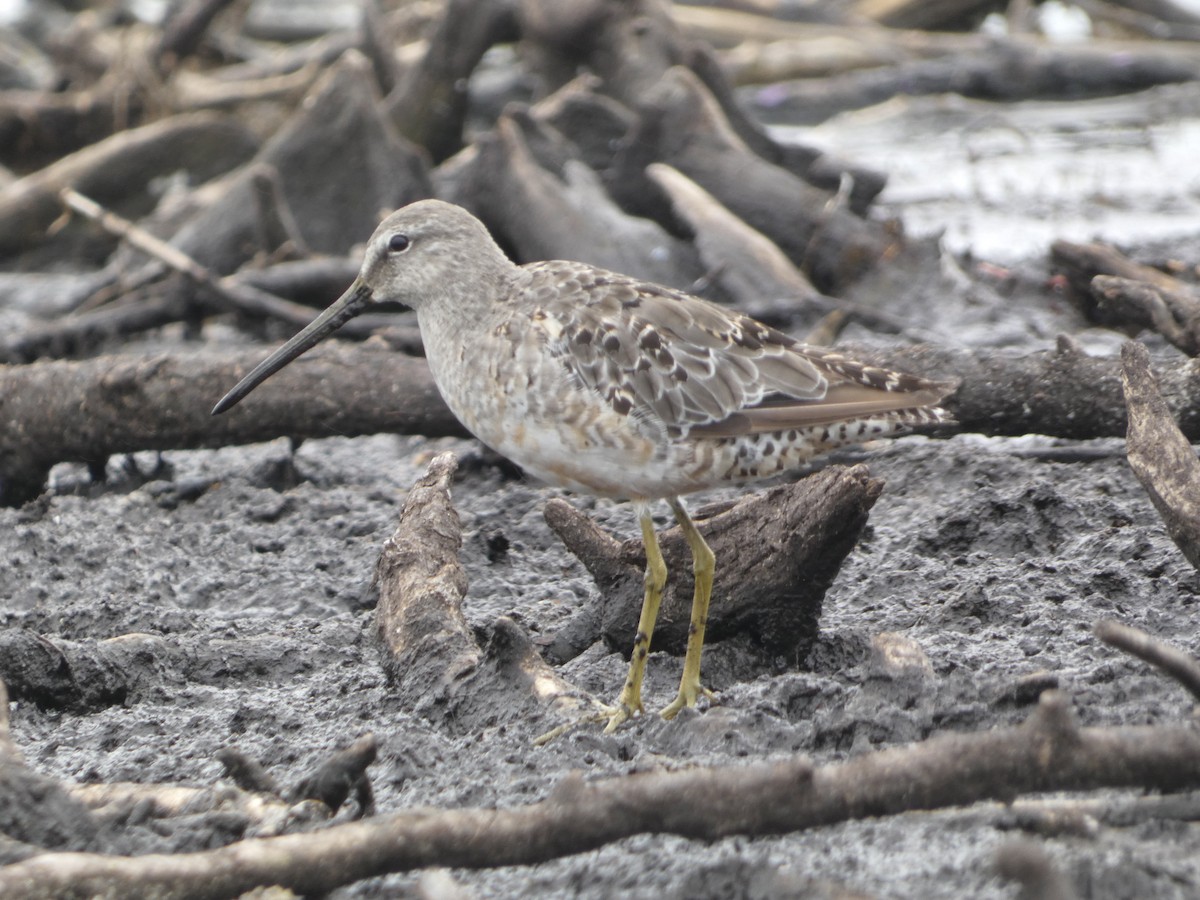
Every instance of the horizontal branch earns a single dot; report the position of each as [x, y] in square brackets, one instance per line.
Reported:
[85, 411]
[1047, 753]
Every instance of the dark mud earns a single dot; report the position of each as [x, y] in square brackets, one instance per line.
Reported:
[238, 583]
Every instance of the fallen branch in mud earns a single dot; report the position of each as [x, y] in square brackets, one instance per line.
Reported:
[430, 653]
[85, 411]
[1161, 457]
[1003, 70]
[1049, 752]
[1174, 313]
[1062, 392]
[233, 294]
[1111, 289]
[800, 533]
[1167, 659]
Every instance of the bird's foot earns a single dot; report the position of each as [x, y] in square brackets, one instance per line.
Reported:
[611, 717]
[688, 694]
[628, 706]
[618, 715]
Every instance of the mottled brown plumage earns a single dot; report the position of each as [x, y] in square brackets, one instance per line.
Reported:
[604, 384]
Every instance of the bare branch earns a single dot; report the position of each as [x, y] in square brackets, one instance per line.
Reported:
[1161, 457]
[1174, 662]
[1047, 753]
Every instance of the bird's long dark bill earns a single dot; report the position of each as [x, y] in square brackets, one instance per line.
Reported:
[345, 308]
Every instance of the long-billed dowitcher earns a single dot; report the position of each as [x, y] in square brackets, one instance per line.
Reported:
[607, 385]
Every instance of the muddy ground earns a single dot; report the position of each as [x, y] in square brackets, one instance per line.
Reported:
[996, 556]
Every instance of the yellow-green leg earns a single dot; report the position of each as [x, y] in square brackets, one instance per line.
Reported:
[629, 703]
[704, 563]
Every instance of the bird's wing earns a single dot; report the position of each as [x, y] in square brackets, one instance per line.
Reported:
[681, 363]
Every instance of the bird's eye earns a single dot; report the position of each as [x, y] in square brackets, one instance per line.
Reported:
[398, 243]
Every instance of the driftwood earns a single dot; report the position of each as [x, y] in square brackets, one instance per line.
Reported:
[74, 334]
[527, 181]
[422, 585]
[86, 411]
[1161, 457]
[118, 171]
[340, 129]
[129, 88]
[525, 184]
[757, 49]
[749, 266]
[777, 553]
[437, 668]
[429, 104]
[153, 307]
[680, 124]
[1173, 314]
[87, 675]
[1050, 752]
[1111, 289]
[1167, 659]
[1060, 393]
[1010, 69]
[631, 46]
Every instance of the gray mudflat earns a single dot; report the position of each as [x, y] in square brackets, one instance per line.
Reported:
[996, 556]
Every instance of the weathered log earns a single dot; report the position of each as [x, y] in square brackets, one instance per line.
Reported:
[429, 104]
[119, 170]
[777, 553]
[1006, 69]
[437, 668]
[632, 46]
[749, 266]
[681, 125]
[1163, 302]
[1175, 314]
[543, 203]
[53, 412]
[340, 129]
[57, 411]
[1161, 457]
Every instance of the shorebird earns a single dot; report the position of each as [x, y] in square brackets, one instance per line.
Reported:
[603, 384]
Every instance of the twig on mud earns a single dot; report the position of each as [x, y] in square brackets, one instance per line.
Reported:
[1167, 659]
[343, 773]
[1049, 752]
